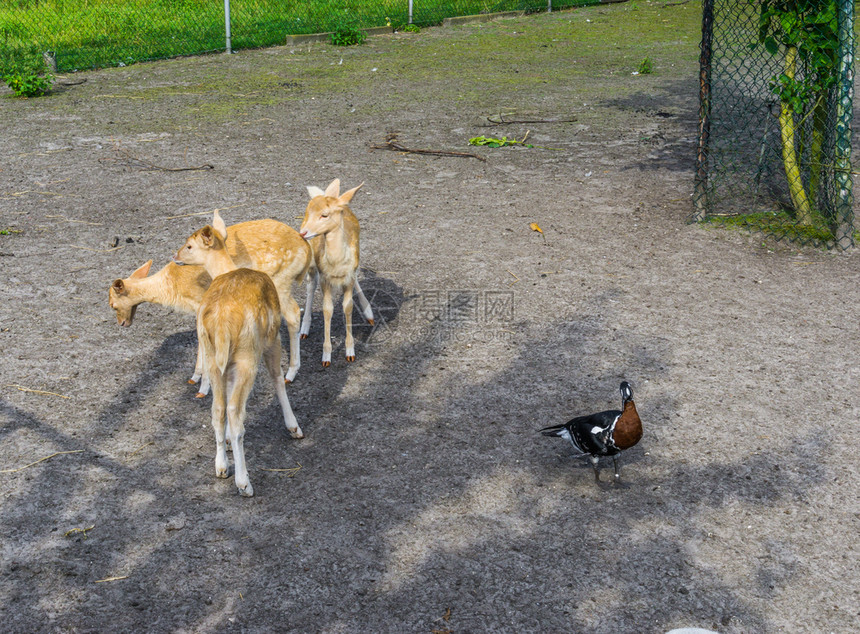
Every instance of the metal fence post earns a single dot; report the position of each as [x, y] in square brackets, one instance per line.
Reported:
[227, 26]
[50, 58]
[410, 11]
[549, 6]
[844, 111]
[700, 211]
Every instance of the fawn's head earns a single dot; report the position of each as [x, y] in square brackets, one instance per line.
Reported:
[325, 210]
[121, 297]
[202, 242]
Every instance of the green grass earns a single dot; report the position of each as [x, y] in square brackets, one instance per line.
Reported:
[781, 226]
[98, 33]
[489, 66]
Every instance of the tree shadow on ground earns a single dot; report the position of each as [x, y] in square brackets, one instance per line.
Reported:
[669, 118]
[426, 500]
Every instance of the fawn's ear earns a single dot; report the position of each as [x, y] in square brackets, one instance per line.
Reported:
[333, 188]
[219, 226]
[207, 236]
[313, 191]
[143, 271]
[347, 196]
[119, 287]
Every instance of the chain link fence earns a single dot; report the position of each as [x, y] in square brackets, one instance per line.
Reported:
[83, 34]
[776, 100]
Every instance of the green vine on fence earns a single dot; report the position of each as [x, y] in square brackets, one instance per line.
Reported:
[805, 33]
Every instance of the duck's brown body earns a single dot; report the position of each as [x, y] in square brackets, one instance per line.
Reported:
[628, 427]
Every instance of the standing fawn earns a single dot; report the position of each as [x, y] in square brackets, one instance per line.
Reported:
[238, 323]
[333, 231]
[265, 245]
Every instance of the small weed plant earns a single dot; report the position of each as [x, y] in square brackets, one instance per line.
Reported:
[22, 68]
[347, 32]
[28, 85]
[412, 28]
[646, 66]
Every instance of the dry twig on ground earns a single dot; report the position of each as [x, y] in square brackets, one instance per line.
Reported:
[391, 143]
[43, 392]
[125, 159]
[291, 471]
[499, 119]
[79, 531]
[111, 579]
[58, 453]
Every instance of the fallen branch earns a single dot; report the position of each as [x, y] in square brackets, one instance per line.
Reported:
[58, 453]
[127, 160]
[65, 82]
[505, 141]
[392, 144]
[499, 119]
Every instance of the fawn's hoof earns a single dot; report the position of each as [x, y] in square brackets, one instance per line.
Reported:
[350, 359]
[371, 322]
[325, 364]
[200, 395]
[297, 434]
[192, 382]
[247, 492]
[303, 336]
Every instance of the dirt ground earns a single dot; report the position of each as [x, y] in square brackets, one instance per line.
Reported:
[425, 500]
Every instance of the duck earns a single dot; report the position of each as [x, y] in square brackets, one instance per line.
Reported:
[604, 433]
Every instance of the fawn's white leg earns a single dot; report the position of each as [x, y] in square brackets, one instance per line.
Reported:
[239, 388]
[198, 366]
[363, 304]
[236, 418]
[349, 342]
[200, 373]
[203, 390]
[292, 316]
[311, 286]
[272, 359]
[218, 424]
[328, 309]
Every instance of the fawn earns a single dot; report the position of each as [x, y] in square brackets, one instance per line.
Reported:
[266, 245]
[178, 287]
[333, 232]
[238, 323]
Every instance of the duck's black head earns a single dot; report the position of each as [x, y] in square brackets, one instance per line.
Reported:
[626, 392]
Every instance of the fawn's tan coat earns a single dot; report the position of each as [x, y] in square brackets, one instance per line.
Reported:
[237, 324]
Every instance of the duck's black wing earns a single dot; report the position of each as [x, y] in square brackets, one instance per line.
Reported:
[593, 434]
